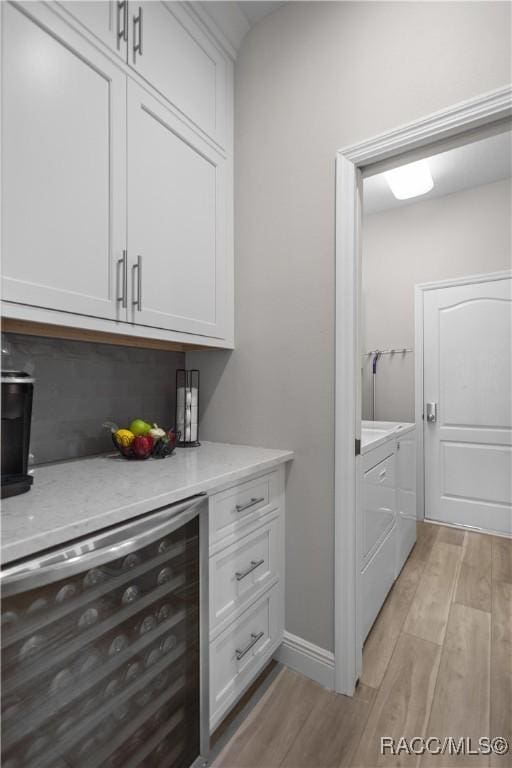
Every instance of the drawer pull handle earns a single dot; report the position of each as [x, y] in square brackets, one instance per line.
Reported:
[254, 564]
[249, 504]
[252, 642]
[123, 263]
[137, 22]
[382, 474]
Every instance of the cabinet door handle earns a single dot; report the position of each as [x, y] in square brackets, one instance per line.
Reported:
[137, 46]
[382, 474]
[252, 567]
[123, 262]
[249, 504]
[252, 642]
[122, 10]
[137, 302]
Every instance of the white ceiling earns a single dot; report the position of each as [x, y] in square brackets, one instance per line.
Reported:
[471, 165]
[234, 18]
[254, 10]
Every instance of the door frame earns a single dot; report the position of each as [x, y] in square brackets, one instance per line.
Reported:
[449, 127]
[419, 367]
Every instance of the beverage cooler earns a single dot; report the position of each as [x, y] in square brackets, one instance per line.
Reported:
[104, 648]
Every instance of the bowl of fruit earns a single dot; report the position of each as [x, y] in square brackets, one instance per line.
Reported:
[142, 440]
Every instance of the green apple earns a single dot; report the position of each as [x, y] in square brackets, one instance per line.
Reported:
[139, 427]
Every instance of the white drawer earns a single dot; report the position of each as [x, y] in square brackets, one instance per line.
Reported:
[238, 654]
[236, 508]
[242, 570]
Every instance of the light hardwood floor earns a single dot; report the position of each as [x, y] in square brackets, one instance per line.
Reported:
[437, 662]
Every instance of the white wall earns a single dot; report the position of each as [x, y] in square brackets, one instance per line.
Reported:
[465, 233]
[311, 78]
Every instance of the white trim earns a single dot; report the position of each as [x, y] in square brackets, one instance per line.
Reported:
[469, 528]
[419, 365]
[348, 211]
[456, 120]
[307, 658]
[459, 118]
[490, 277]
[418, 401]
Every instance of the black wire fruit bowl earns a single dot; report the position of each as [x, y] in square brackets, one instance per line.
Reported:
[143, 447]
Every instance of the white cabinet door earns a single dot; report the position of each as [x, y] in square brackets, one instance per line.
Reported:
[467, 373]
[177, 59]
[405, 496]
[176, 222]
[63, 175]
[106, 19]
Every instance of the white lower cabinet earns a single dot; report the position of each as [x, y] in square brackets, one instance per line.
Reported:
[405, 497]
[387, 520]
[246, 591]
[243, 570]
[239, 653]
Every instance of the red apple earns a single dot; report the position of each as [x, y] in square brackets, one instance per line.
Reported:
[142, 445]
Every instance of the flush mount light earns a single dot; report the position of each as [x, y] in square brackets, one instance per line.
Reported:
[410, 180]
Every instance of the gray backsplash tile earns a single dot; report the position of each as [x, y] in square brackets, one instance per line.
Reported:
[80, 385]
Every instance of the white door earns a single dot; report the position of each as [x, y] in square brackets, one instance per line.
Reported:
[178, 60]
[176, 222]
[467, 375]
[107, 19]
[63, 174]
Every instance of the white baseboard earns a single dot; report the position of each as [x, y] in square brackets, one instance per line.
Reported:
[307, 658]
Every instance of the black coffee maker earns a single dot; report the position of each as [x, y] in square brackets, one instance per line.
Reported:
[17, 392]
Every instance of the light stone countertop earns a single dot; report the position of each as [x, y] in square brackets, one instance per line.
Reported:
[74, 499]
[376, 433]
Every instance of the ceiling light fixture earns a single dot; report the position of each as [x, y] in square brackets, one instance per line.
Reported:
[410, 180]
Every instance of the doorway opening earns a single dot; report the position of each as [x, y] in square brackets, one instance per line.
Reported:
[362, 388]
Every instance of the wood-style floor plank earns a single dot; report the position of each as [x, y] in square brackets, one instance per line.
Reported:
[502, 559]
[402, 706]
[426, 538]
[474, 579]
[461, 704]
[274, 725]
[449, 535]
[501, 667]
[452, 676]
[381, 641]
[428, 614]
[331, 733]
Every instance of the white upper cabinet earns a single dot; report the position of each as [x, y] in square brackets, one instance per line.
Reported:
[106, 19]
[64, 161]
[176, 222]
[117, 170]
[178, 59]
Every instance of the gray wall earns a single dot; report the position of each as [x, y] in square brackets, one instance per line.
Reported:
[465, 233]
[311, 78]
[80, 385]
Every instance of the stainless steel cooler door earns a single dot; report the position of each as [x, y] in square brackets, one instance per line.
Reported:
[101, 662]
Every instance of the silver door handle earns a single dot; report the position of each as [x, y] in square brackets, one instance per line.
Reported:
[123, 262]
[122, 10]
[431, 413]
[249, 504]
[99, 549]
[138, 301]
[252, 567]
[252, 642]
[137, 46]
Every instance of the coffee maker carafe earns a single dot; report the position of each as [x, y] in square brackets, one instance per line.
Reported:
[17, 392]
